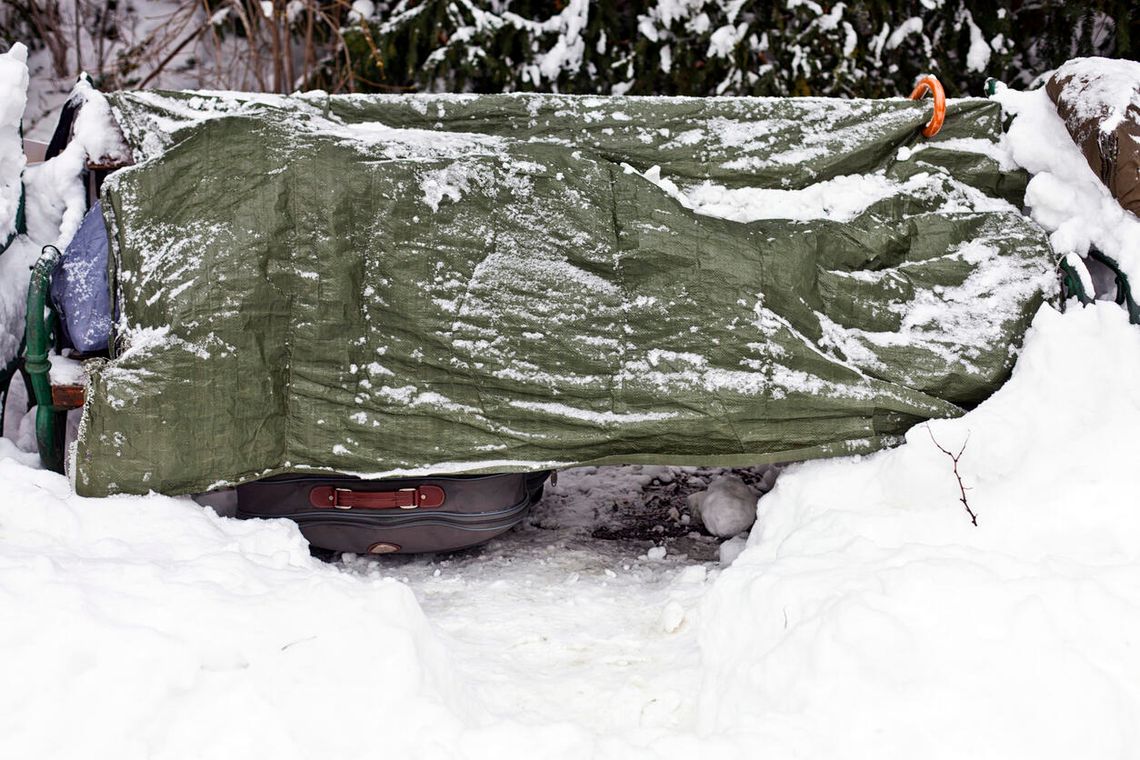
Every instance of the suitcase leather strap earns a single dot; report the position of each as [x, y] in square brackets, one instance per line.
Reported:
[331, 497]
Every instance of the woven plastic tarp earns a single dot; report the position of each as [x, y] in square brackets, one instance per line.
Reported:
[385, 285]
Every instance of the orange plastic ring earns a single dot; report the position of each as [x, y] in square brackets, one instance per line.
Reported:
[930, 83]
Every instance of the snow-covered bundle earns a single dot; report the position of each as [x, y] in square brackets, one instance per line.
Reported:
[1099, 100]
[1065, 195]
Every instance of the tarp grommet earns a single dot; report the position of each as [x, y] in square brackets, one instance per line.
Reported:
[930, 83]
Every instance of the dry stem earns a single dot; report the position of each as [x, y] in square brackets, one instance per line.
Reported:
[954, 458]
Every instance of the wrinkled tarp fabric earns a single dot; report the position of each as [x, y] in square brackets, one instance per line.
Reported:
[401, 285]
[79, 286]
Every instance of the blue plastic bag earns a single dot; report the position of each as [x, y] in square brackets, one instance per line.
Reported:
[79, 286]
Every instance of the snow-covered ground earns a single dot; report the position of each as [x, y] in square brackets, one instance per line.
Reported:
[868, 617]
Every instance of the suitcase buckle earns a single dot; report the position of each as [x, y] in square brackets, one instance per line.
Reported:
[335, 498]
[415, 498]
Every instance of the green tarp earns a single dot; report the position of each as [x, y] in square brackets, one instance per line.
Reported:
[400, 285]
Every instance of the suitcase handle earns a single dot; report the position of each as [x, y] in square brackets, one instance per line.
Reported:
[331, 497]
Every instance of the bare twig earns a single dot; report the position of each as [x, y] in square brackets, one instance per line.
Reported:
[47, 20]
[954, 458]
[276, 45]
[170, 56]
[310, 52]
[77, 22]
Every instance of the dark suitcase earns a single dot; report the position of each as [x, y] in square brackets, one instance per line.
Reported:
[401, 516]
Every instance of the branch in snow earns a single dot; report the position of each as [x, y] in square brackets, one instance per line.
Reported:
[954, 458]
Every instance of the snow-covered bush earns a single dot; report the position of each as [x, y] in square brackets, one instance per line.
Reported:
[705, 47]
[868, 48]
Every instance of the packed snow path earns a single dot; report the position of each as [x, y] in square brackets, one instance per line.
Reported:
[554, 625]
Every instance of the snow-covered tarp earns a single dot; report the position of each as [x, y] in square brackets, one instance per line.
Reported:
[392, 285]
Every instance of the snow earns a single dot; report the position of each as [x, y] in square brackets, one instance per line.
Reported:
[56, 194]
[840, 199]
[725, 39]
[731, 549]
[998, 151]
[978, 56]
[567, 51]
[868, 617]
[1101, 89]
[911, 26]
[865, 616]
[727, 508]
[13, 97]
[154, 628]
[66, 371]
[601, 418]
[449, 182]
[362, 10]
[21, 252]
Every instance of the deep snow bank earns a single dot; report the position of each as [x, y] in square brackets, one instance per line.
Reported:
[147, 628]
[868, 617]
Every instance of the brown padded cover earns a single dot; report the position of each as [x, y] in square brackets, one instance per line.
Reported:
[1113, 153]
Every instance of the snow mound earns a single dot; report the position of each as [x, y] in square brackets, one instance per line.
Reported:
[728, 506]
[148, 627]
[869, 618]
[13, 98]
[21, 253]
